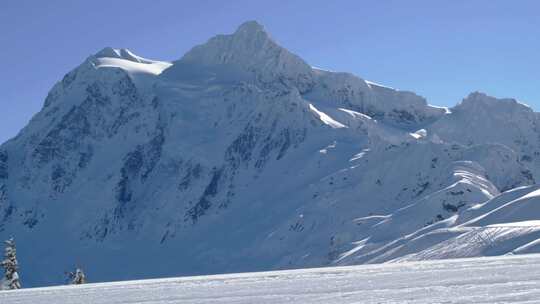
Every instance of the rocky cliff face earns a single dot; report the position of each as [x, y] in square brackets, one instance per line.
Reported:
[240, 156]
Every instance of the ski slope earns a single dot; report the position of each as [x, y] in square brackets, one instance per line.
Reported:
[507, 279]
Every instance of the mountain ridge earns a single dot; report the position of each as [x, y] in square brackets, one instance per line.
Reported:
[240, 157]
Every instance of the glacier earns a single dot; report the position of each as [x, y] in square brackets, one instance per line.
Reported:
[241, 157]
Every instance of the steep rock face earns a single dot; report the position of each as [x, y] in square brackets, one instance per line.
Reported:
[241, 157]
[88, 111]
[4, 165]
[4, 175]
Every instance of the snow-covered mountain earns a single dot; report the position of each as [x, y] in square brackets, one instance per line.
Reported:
[240, 157]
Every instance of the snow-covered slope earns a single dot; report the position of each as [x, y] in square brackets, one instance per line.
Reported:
[483, 119]
[479, 280]
[240, 157]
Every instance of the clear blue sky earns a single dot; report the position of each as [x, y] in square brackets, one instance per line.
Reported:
[440, 49]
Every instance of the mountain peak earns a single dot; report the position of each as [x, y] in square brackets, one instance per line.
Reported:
[481, 101]
[126, 54]
[249, 43]
[249, 50]
[250, 28]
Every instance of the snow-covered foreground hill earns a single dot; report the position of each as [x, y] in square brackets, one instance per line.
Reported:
[508, 279]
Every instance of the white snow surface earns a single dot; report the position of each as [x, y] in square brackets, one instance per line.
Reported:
[325, 118]
[154, 68]
[509, 279]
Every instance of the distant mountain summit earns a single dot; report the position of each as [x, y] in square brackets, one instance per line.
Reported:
[240, 157]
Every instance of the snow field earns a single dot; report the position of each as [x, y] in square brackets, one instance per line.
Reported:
[507, 279]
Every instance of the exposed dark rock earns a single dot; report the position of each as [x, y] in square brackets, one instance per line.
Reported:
[193, 172]
[204, 203]
[65, 137]
[453, 208]
[3, 165]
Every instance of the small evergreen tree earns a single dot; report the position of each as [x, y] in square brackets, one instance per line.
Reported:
[77, 277]
[10, 265]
